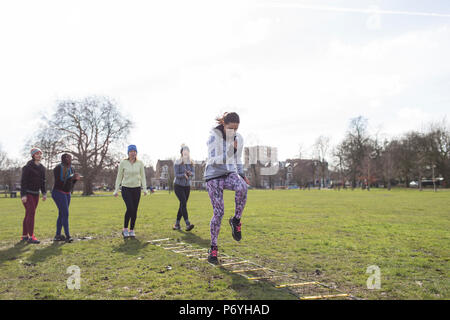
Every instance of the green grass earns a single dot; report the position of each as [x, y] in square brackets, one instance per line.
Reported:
[339, 233]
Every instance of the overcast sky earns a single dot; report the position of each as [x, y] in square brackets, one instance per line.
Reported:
[293, 70]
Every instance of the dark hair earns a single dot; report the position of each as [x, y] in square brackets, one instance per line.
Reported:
[65, 159]
[228, 117]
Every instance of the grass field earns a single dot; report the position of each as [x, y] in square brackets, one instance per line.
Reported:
[330, 236]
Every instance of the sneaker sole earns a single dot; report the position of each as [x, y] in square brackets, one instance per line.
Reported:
[214, 263]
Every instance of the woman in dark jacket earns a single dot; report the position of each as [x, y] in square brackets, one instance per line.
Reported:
[33, 180]
[65, 179]
[184, 171]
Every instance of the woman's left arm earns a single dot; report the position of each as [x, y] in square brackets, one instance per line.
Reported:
[143, 178]
[238, 155]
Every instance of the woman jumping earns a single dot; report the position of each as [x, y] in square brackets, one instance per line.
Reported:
[224, 170]
[131, 176]
[184, 171]
[33, 180]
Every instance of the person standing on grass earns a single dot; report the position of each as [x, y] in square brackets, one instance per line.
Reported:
[33, 180]
[184, 171]
[131, 176]
[224, 170]
[65, 179]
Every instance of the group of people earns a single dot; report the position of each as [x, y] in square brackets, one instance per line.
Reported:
[224, 170]
[34, 180]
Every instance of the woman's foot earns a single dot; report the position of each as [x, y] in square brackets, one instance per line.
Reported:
[59, 237]
[125, 233]
[189, 227]
[176, 227]
[24, 238]
[235, 229]
[69, 239]
[131, 234]
[212, 258]
[33, 240]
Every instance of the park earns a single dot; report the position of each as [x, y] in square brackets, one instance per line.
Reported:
[323, 235]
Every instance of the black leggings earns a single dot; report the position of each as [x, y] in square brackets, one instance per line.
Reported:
[131, 196]
[182, 195]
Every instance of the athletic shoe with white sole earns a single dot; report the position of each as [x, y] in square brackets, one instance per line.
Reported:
[131, 234]
[125, 233]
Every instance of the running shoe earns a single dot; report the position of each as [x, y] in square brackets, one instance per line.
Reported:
[131, 234]
[125, 233]
[176, 227]
[24, 239]
[235, 229]
[59, 237]
[190, 227]
[212, 258]
[33, 240]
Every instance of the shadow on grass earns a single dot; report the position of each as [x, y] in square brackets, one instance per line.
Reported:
[189, 237]
[131, 246]
[13, 253]
[253, 290]
[41, 255]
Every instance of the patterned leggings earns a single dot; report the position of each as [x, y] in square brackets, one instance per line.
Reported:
[215, 189]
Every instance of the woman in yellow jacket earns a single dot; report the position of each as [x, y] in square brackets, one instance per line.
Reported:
[131, 176]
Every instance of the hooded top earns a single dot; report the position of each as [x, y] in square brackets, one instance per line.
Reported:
[33, 179]
[223, 159]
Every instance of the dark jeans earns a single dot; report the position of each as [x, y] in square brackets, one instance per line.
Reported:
[131, 196]
[182, 195]
[62, 201]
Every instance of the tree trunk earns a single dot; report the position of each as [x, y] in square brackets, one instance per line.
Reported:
[88, 186]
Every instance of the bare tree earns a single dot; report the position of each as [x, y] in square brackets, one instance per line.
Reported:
[88, 128]
[353, 148]
[321, 148]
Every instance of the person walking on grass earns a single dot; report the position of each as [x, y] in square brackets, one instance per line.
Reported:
[33, 180]
[224, 170]
[131, 176]
[184, 171]
[65, 179]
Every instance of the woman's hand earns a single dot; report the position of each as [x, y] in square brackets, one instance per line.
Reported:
[77, 176]
[44, 197]
[115, 194]
[24, 199]
[246, 180]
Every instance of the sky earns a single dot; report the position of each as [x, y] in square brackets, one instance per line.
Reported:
[293, 70]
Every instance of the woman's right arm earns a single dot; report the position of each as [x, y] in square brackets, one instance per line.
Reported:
[24, 184]
[119, 178]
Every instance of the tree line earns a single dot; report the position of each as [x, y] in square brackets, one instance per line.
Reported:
[93, 129]
[364, 159]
